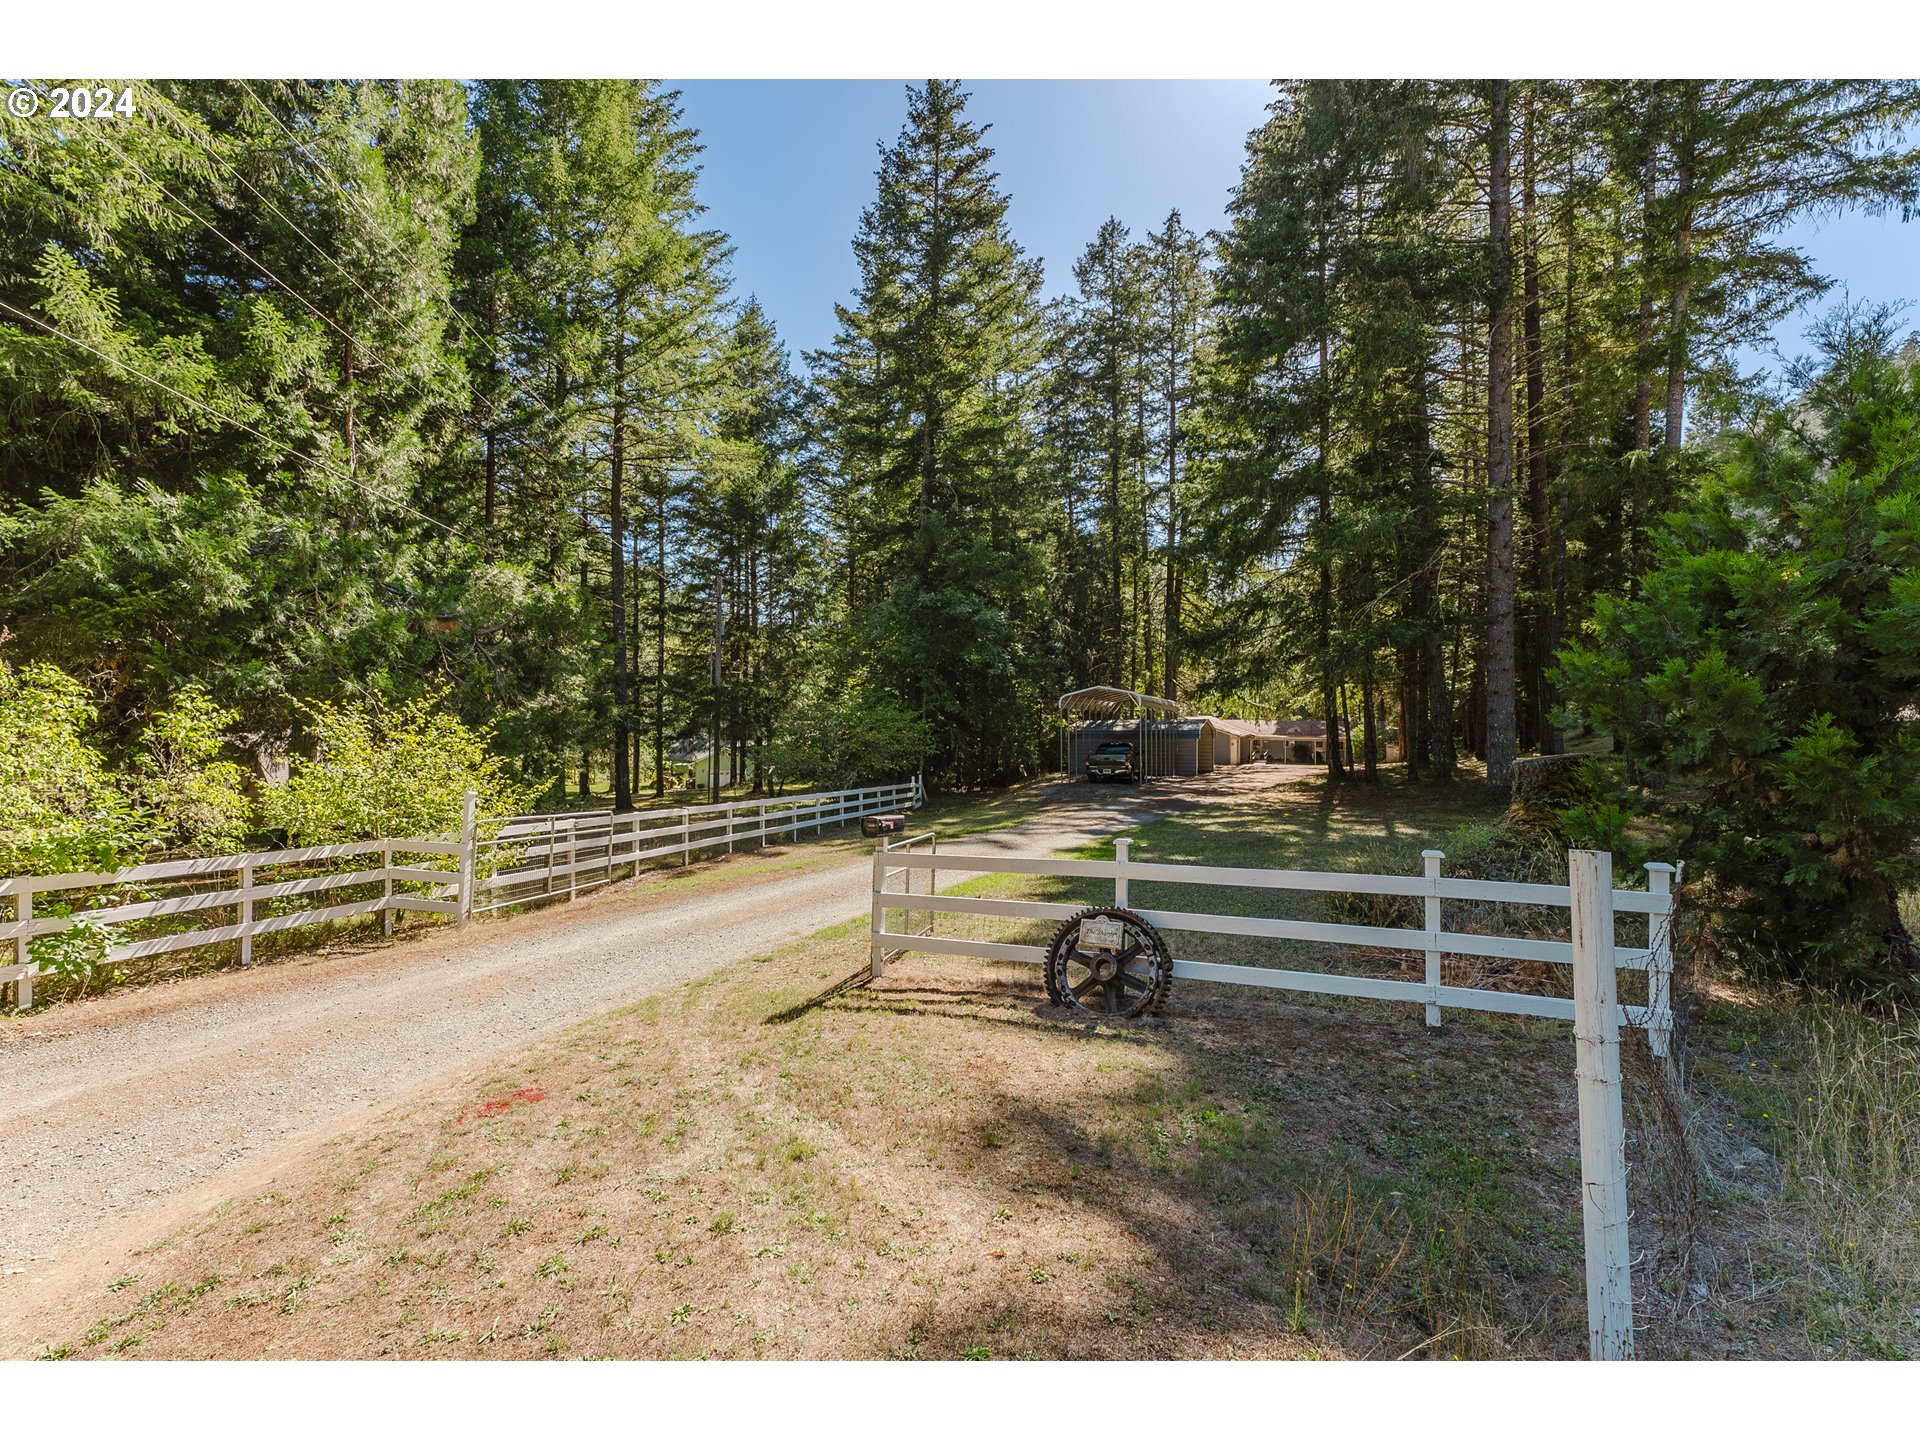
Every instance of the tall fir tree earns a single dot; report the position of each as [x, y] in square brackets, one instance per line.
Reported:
[926, 389]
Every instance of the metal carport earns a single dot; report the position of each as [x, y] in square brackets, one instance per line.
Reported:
[1114, 705]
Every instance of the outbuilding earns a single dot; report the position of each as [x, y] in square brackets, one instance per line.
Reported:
[1167, 741]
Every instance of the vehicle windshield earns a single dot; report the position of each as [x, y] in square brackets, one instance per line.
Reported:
[1114, 747]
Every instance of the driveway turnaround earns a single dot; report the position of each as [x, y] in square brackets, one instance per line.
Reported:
[127, 1113]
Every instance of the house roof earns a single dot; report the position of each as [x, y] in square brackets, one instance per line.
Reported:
[1235, 727]
[1301, 729]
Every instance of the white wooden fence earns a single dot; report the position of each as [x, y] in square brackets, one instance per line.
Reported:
[536, 857]
[1591, 951]
[488, 866]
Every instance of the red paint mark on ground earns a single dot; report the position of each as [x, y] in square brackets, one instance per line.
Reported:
[526, 1096]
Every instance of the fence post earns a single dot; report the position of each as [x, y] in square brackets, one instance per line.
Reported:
[246, 913]
[1603, 1157]
[23, 953]
[386, 893]
[1660, 964]
[686, 835]
[468, 805]
[763, 824]
[1432, 858]
[1120, 849]
[553, 844]
[876, 957]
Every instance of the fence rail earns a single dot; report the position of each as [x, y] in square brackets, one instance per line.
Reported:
[1433, 942]
[544, 857]
[489, 866]
[1592, 951]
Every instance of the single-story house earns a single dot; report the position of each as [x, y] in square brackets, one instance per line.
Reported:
[1295, 742]
[1304, 742]
[1236, 742]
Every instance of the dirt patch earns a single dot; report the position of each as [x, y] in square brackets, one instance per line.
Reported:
[778, 1160]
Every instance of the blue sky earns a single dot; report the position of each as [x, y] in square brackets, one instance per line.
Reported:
[790, 164]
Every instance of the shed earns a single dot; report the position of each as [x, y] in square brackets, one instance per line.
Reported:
[1192, 749]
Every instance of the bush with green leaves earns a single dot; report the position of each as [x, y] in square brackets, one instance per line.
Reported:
[198, 800]
[380, 771]
[856, 738]
[61, 806]
[1765, 679]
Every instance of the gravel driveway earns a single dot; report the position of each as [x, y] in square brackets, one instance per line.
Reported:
[118, 1109]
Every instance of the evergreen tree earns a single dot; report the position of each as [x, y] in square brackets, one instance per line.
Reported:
[927, 425]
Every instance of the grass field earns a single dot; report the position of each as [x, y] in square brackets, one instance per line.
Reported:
[780, 1161]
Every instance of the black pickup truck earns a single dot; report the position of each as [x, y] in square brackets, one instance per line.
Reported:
[1114, 760]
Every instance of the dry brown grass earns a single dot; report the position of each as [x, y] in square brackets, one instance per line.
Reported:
[784, 1162]
[933, 1166]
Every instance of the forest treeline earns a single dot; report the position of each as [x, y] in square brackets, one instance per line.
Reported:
[323, 391]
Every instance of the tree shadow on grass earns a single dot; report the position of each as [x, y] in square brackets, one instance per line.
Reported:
[1256, 1175]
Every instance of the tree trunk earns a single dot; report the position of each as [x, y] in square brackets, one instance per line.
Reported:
[1323, 598]
[1499, 663]
[1677, 308]
[1643, 357]
[1369, 760]
[492, 489]
[1170, 640]
[1539, 521]
[660, 641]
[1436, 712]
[617, 560]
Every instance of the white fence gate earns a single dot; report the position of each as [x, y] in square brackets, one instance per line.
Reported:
[516, 861]
[1592, 952]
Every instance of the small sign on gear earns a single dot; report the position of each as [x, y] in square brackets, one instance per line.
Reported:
[1106, 963]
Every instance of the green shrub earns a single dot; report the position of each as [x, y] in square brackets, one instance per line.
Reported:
[61, 808]
[1766, 678]
[858, 738]
[378, 772]
[198, 801]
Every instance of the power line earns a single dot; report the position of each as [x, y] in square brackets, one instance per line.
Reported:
[221, 415]
[193, 133]
[371, 218]
[237, 248]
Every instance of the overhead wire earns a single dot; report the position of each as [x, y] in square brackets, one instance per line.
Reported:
[360, 485]
[493, 404]
[182, 207]
[372, 219]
